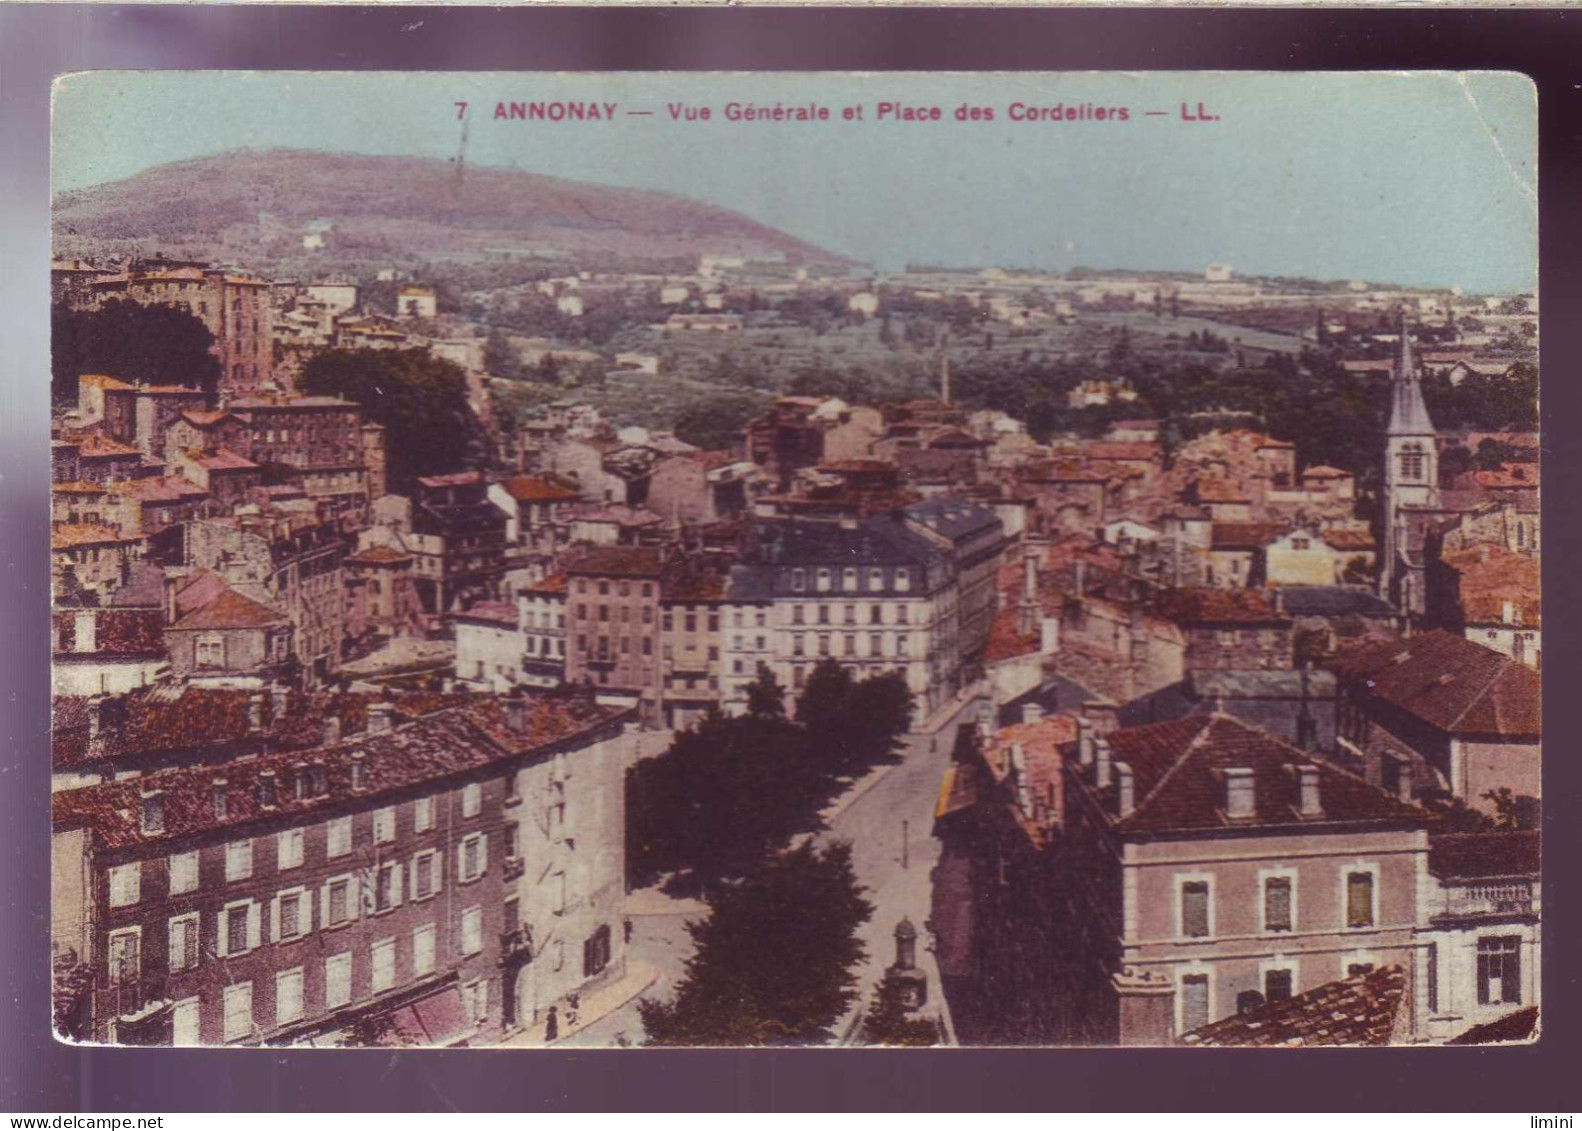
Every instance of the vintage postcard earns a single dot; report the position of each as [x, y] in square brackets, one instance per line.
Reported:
[656, 559]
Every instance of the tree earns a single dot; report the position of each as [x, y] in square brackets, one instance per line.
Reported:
[773, 960]
[852, 725]
[419, 398]
[888, 1023]
[156, 345]
[725, 792]
[766, 699]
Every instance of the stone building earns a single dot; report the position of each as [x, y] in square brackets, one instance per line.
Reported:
[371, 890]
[1208, 867]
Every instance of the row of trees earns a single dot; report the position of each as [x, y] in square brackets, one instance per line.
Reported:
[732, 789]
[774, 959]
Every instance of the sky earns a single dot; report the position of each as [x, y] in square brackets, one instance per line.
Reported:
[1424, 178]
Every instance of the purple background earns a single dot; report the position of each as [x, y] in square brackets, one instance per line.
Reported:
[37, 42]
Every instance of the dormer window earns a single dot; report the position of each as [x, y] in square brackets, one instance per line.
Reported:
[1239, 798]
[798, 580]
[903, 580]
[217, 798]
[153, 813]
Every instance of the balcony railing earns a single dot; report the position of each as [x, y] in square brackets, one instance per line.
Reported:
[517, 943]
[1490, 899]
[128, 996]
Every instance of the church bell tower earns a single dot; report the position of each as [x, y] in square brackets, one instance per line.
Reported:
[1411, 478]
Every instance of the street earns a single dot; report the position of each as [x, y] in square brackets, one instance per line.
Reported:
[888, 817]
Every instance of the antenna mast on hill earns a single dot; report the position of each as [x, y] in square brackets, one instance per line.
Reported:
[944, 368]
[461, 150]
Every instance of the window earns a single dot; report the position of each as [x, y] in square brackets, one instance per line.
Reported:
[1194, 1002]
[423, 814]
[848, 580]
[338, 979]
[1359, 899]
[384, 956]
[1500, 970]
[596, 952]
[423, 949]
[475, 1000]
[338, 837]
[340, 901]
[823, 580]
[184, 873]
[384, 825]
[876, 579]
[1277, 903]
[210, 652]
[125, 957]
[472, 930]
[798, 580]
[471, 799]
[1277, 985]
[238, 1011]
[293, 915]
[387, 887]
[557, 891]
[184, 942]
[903, 580]
[1195, 909]
[185, 1024]
[473, 857]
[288, 849]
[125, 882]
[288, 996]
[239, 928]
[238, 860]
[823, 614]
[901, 645]
[425, 874]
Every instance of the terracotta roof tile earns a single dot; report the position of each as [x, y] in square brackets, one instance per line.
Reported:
[1178, 770]
[449, 742]
[1448, 682]
[230, 610]
[1479, 856]
[1198, 606]
[1360, 1010]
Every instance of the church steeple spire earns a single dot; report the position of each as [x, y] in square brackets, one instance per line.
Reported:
[1408, 412]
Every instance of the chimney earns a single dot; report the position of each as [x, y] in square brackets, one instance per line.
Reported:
[1049, 636]
[330, 730]
[516, 714]
[255, 713]
[1101, 715]
[219, 796]
[1307, 777]
[279, 702]
[379, 716]
[359, 771]
[152, 811]
[1084, 740]
[1127, 789]
[171, 585]
[1101, 756]
[268, 790]
[1032, 712]
[1239, 796]
[1024, 790]
[1079, 572]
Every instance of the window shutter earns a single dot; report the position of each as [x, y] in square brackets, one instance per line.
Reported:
[274, 918]
[483, 853]
[178, 945]
[439, 871]
[254, 925]
[395, 886]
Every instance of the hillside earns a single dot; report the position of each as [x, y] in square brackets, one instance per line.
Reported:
[258, 205]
